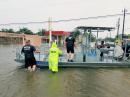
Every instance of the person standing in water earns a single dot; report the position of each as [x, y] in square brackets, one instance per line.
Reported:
[30, 61]
[70, 43]
[54, 53]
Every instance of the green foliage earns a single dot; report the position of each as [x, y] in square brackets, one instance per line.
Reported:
[7, 30]
[75, 33]
[128, 35]
[41, 32]
[25, 31]
[21, 30]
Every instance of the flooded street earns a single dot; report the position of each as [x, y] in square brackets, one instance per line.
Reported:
[68, 82]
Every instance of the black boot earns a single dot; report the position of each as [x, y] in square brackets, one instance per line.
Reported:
[71, 61]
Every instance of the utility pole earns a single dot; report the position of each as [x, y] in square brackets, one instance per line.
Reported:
[118, 26]
[124, 12]
[50, 30]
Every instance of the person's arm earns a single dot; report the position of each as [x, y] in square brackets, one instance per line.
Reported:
[74, 42]
[60, 52]
[114, 51]
[48, 52]
[65, 42]
[22, 51]
[35, 50]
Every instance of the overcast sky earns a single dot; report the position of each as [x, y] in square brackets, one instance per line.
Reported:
[13, 11]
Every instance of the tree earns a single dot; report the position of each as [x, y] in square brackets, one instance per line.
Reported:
[41, 32]
[75, 33]
[11, 31]
[78, 32]
[3, 30]
[25, 31]
[128, 35]
[7, 30]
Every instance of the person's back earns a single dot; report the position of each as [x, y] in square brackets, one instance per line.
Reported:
[30, 61]
[118, 51]
[28, 50]
[70, 41]
[54, 53]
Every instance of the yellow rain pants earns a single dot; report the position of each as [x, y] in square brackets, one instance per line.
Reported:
[54, 53]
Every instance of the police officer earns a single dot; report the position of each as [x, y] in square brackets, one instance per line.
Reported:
[30, 61]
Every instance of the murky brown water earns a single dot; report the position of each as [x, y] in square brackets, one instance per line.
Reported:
[68, 82]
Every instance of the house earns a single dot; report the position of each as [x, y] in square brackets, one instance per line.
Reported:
[13, 38]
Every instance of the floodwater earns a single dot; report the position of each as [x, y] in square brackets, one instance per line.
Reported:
[68, 82]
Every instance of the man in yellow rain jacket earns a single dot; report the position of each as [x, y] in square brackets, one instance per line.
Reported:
[54, 53]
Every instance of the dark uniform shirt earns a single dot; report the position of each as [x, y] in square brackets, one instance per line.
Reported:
[28, 51]
[70, 41]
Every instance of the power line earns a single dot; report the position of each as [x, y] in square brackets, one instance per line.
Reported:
[67, 20]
